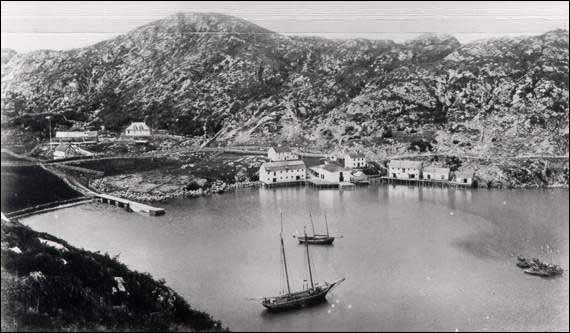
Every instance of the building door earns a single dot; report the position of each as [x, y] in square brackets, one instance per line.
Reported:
[298, 177]
[340, 177]
[394, 175]
[274, 180]
[429, 177]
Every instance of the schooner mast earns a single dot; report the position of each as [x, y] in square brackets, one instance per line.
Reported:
[298, 299]
[284, 257]
[309, 260]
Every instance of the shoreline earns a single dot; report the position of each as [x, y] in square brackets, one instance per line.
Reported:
[121, 299]
[184, 194]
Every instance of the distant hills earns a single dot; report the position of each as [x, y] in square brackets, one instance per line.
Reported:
[207, 74]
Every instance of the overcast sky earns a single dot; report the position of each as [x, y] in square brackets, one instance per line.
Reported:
[64, 25]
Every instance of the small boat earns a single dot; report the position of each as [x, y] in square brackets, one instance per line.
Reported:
[312, 295]
[536, 267]
[544, 270]
[317, 239]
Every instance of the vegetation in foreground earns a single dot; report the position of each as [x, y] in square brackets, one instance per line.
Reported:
[49, 285]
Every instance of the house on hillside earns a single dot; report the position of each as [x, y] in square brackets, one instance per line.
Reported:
[435, 173]
[464, 178]
[354, 161]
[76, 136]
[405, 169]
[138, 129]
[331, 172]
[282, 172]
[281, 153]
[65, 150]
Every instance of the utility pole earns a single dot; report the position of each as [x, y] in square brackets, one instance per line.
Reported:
[49, 121]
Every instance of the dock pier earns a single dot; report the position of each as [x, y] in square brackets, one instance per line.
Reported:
[130, 206]
[422, 182]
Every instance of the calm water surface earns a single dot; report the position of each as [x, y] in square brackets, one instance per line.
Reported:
[414, 258]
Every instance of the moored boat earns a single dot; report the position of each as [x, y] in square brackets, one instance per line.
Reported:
[312, 295]
[317, 239]
[536, 267]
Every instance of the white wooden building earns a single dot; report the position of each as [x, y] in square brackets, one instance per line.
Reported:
[331, 172]
[354, 161]
[280, 172]
[435, 173]
[76, 136]
[65, 150]
[281, 153]
[464, 178]
[405, 169]
[138, 129]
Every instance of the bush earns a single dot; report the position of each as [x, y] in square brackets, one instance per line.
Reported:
[193, 186]
[77, 294]
[420, 145]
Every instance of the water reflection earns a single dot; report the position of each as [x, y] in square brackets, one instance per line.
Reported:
[414, 258]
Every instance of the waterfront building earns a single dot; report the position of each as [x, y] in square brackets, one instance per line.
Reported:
[76, 136]
[464, 178]
[138, 129]
[282, 172]
[354, 161]
[405, 169]
[331, 172]
[281, 153]
[435, 173]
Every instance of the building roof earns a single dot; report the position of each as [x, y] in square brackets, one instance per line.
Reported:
[281, 149]
[283, 165]
[330, 167]
[436, 170]
[75, 134]
[405, 164]
[355, 155]
[62, 147]
[464, 174]
[138, 126]
[359, 174]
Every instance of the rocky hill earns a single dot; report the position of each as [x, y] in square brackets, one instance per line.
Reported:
[207, 74]
[49, 285]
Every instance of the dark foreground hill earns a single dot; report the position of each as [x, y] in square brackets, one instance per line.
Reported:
[202, 74]
[49, 285]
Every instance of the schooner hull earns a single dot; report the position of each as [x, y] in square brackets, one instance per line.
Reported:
[301, 302]
[326, 240]
[300, 299]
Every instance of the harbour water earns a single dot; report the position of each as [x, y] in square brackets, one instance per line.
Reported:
[414, 258]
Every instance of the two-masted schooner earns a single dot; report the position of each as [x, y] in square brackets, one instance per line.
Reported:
[290, 300]
[319, 239]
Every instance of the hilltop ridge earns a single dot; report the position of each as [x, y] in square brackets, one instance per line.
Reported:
[201, 74]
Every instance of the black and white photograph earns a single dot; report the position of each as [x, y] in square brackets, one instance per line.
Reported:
[285, 166]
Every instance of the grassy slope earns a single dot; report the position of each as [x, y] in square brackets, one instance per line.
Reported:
[46, 288]
[28, 186]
